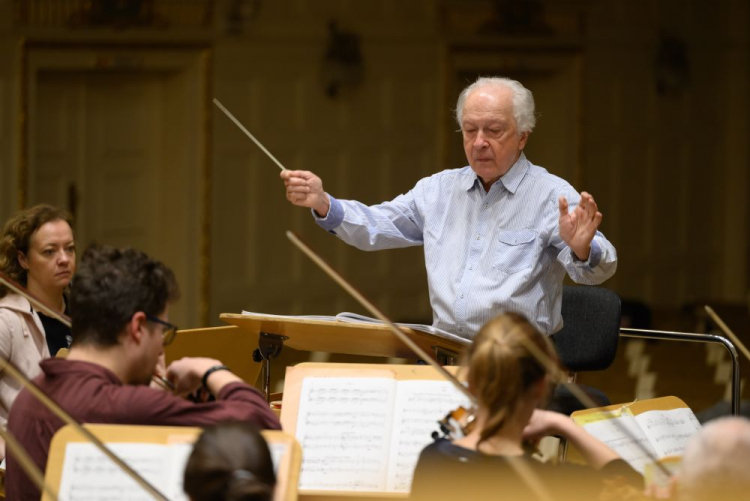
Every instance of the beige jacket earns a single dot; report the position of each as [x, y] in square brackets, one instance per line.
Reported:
[22, 342]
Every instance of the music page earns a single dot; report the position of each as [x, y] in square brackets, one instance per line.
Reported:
[419, 405]
[669, 430]
[344, 428]
[89, 475]
[612, 429]
[178, 458]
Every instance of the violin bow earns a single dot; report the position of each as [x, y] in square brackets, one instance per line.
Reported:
[731, 335]
[529, 477]
[26, 463]
[55, 408]
[35, 301]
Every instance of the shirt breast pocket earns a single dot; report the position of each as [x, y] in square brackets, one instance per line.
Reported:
[516, 250]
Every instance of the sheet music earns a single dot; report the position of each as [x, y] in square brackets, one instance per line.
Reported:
[277, 451]
[669, 430]
[178, 455]
[349, 317]
[418, 407]
[344, 427]
[328, 318]
[610, 433]
[89, 475]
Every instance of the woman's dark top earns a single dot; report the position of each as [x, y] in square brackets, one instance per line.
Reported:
[447, 471]
[57, 334]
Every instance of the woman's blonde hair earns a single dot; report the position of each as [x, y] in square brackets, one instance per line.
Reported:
[502, 367]
[16, 237]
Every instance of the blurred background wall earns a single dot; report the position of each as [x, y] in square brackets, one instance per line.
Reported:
[105, 107]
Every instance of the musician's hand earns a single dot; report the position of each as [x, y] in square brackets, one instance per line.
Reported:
[577, 228]
[186, 373]
[542, 424]
[159, 371]
[305, 189]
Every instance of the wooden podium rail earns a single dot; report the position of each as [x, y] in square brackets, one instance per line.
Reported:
[351, 338]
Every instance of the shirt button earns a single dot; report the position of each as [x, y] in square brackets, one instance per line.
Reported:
[478, 237]
[460, 329]
[462, 296]
[471, 268]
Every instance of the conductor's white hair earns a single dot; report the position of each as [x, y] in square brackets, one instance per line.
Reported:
[715, 462]
[523, 101]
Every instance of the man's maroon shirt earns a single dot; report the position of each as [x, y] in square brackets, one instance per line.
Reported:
[91, 393]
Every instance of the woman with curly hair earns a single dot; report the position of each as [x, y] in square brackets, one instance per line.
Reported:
[38, 251]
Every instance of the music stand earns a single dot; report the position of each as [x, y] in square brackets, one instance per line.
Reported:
[334, 336]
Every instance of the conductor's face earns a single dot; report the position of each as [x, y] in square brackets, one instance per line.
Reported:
[491, 140]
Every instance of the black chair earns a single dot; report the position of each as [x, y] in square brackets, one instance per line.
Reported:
[588, 339]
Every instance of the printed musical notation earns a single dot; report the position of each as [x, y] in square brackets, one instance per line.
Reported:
[366, 433]
[88, 475]
[669, 430]
[662, 432]
[419, 406]
[343, 426]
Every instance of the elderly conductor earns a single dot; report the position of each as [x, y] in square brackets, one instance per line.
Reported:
[498, 235]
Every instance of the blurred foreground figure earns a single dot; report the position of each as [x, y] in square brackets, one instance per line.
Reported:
[716, 462]
[230, 462]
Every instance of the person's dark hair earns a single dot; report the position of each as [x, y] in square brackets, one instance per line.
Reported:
[230, 461]
[16, 237]
[111, 285]
[502, 367]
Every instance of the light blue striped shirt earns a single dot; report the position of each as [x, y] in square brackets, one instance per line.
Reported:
[485, 252]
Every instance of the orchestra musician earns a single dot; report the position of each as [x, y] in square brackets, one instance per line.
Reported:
[231, 462]
[37, 250]
[119, 305]
[510, 384]
[498, 235]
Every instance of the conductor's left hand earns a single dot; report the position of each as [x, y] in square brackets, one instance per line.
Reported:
[577, 228]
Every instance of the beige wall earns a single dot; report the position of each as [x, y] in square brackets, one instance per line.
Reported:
[371, 143]
[8, 68]
[669, 172]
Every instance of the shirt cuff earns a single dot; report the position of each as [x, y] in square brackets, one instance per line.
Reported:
[333, 219]
[595, 255]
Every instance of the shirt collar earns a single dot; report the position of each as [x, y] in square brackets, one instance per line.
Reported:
[515, 174]
[510, 180]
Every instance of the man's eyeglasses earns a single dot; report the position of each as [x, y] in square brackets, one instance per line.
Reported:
[168, 335]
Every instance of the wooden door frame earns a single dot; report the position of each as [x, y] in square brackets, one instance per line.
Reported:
[88, 56]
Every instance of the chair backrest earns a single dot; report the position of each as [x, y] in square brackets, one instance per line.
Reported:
[591, 328]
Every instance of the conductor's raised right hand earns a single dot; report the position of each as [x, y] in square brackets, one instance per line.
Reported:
[305, 189]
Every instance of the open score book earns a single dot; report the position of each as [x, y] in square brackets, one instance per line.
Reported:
[661, 425]
[356, 318]
[363, 429]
